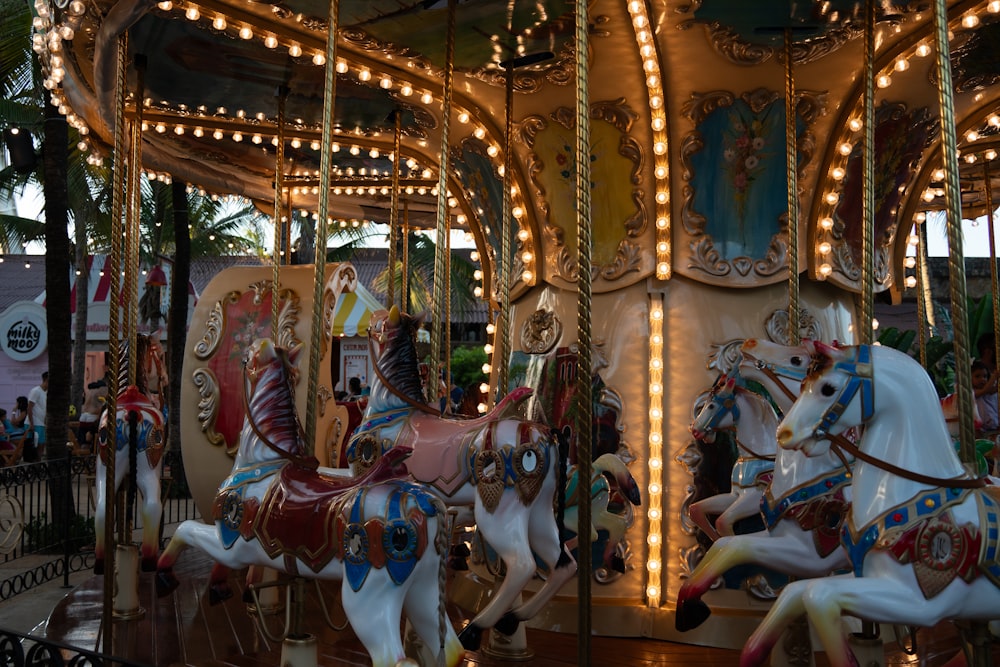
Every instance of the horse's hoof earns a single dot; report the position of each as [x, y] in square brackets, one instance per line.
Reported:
[149, 564]
[471, 636]
[99, 566]
[166, 583]
[508, 623]
[617, 564]
[218, 593]
[690, 614]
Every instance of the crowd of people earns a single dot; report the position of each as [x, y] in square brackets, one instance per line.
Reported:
[984, 386]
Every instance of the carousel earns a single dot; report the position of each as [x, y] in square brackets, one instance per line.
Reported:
[684, 213]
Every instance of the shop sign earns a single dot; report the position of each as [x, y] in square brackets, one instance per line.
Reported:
[23, 331]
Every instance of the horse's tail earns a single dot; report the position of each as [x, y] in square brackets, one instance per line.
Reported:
[562, 438]
[442, 540]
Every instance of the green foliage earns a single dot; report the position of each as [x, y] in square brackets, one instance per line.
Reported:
[44, 537]
[467, 366]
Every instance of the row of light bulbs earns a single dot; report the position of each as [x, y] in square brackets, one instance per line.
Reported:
[658, 125]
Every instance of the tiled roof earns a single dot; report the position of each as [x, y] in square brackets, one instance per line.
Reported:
[20, 283]
[24, 284]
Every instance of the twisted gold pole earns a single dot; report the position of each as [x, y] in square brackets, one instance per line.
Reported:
[791, 166]
[117, 212]
[437, 332]
[501, 333]
[319, 268]
[390, 292]
[404, 297]
[956, 257]
[921, 305]
[279, 188]
[866, 317]
[584, 398]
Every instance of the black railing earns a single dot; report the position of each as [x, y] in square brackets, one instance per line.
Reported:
[47, 509]
[19, 650]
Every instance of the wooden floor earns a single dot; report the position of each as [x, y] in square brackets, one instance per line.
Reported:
[184, 629]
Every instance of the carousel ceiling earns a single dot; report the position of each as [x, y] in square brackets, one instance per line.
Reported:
[687, 102]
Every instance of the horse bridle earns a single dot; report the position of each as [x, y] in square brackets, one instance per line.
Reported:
[860, 373]
[774, 373]
[726, 400]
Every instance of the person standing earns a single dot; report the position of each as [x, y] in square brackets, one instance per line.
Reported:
[36, 419]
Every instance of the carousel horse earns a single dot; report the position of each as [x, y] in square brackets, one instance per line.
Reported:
[383, 536]
[803, 506]
[921, 534]
[753, 422]
[505, 468]
[138, 442]
[607, 468]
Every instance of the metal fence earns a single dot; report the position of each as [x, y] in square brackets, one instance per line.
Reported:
[47, 514]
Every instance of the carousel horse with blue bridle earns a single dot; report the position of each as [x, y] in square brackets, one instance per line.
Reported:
[922, 533]
[803, 506]
[138, 452]
[753, 422]
[505, 468]
[382, 535]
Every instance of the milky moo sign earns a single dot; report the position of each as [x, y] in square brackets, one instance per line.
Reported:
[23, 333]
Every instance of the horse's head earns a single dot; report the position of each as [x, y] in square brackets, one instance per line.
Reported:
[719, 411]
[780, 368]
[838, 394]
[271, 418]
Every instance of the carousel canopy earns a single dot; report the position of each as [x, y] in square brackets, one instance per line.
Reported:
[686, 104]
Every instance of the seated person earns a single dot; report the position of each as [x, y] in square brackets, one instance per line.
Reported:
[984, 385]
[5, 427]
[93, 404]
[18, 417]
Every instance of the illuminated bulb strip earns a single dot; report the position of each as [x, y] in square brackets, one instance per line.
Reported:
[654, 513]
[658, 122]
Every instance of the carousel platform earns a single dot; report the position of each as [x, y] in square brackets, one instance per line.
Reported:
[185, 629]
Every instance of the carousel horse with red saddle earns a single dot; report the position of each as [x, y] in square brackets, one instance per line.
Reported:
[138, 429]
[505, 468]
[384, 537]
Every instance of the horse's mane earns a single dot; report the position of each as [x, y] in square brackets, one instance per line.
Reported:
[398, 362]
[271, 407]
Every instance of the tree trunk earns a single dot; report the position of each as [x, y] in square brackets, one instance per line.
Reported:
[80, 320]
[177, 315]
[57, 264]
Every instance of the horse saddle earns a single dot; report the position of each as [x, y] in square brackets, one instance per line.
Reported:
[297, 514]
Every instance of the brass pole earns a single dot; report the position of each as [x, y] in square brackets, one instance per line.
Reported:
[956, 257]
[501, 333]
[404, 297]
[390, 292]
[279, 187]
[583, 384]
[117, 213]
[319, 268]
[791, 166]
[442, 209]
[866, 317]
[921, 305]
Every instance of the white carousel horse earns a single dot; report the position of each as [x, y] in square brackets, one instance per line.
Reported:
[604, 467]
[921, 535]
[383, 536]
[803, 506]
[753, 421]
[138, 453]
[507, 469]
